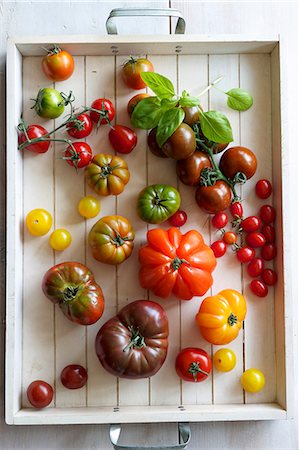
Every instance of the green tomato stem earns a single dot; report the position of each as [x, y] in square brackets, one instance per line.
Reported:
[194, 369]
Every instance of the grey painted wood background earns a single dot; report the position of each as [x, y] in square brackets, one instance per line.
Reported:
[88, 17]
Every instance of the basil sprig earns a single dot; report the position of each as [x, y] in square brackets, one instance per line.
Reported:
[216, 127]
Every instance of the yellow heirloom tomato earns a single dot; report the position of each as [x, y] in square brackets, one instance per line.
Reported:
[224, 360]
[38, 222]
[89, 207]
[252, 380]
[60, 239]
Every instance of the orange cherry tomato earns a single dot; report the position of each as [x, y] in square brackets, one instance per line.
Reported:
[58, 65]
[132, 70]
[230, 237]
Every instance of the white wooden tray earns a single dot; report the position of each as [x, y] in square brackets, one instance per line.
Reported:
[40, 341]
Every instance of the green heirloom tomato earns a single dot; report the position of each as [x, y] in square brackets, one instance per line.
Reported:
[49, 103]
[158, 202]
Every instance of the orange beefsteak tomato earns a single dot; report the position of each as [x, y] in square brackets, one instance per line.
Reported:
[176, 263]
[220, 317]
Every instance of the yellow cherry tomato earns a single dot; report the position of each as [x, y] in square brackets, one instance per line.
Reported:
[252, 380]
[60, 239]
[89, 207]
[224, 360]
[38, 222]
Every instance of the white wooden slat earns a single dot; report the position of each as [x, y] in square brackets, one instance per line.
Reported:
[226, 385]
[256, 135]
[38, 332]
[102, 387]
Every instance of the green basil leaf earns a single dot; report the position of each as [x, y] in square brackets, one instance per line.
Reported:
[168, 123]
[189, 101]
[239, 99]
[160, 85]
[167, 103]
[147, 113]
[216, 127]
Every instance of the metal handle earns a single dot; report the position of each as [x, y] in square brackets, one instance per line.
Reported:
[127, 12]
[184, 433]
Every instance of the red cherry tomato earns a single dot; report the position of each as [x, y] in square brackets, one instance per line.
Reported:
[245, 254]
[107, 111]
[267, 214]
[33, 132]
[122, 139]
[193, 364]
[178, 219]
[236, 210]
[263, 188]
[255, 239]
[229, 237]
[73, 376]
[219, 248]
[80, 128]
[269, 232]
[269, 277]
[259, 288]
[80, 157]
[39, 394]
[255, 267]
[220, 220]
[269, 252]
[251, 223]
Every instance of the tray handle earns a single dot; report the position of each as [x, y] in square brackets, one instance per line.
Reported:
[184, 436]
[157, 12]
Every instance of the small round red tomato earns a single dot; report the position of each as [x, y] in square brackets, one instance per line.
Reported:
[80, 156]
[255, 267]
[219, 248]
[134, 101]
[193, 364]
[81, 127]
[213, 199]
[269, 277]
[178, 219]
[39, 394]
[220, 220]
[236, 210]
[269, 252]
[106, 111]
[267, 214]
[251, 223]
[258, 288]
[122, 139]
[245, 254]
[73, 376]
[263, 188]
[58, 65]
[132, 70]
[255, 239]
[229, 237]
[269, 232]
[33, 132]
[238, 159]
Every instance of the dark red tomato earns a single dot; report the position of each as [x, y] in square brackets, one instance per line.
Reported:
[178, 219]
[269, 232]
[238, 159]
[258, 288]
[181, 144]
[33, 132]
[255, 239]
[191, 115]
[132, 70]
[269, 252]
[189, 170]
[219, 248]
[134, 101]
[73, 376]
[80, 157]
[106, 111]
[263, 188]
[267, 214]
[153, 146]
[122, 139]
[229, 237]
[220, 220]
[80, 128]
[245, 254]
[213, 199]
[193, 364]
[269, 277]
[255, 267]
[236, 210]
[251, 223]
[39, 394]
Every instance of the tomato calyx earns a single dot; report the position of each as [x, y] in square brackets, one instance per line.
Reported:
[194, 369]
[137, 340]
[232, 319]
[107, 170]
[118, 240]
[70, 293]
[103, 114]
[52, 51]
[177, 262]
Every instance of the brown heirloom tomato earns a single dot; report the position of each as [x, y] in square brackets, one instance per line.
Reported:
[134, 343]
[214, 199]
[111, 239]
[188, 170]
[238, 159]
[73, 287]
[153, 145]
[181, 144]
[191, 115]
[107, 174]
